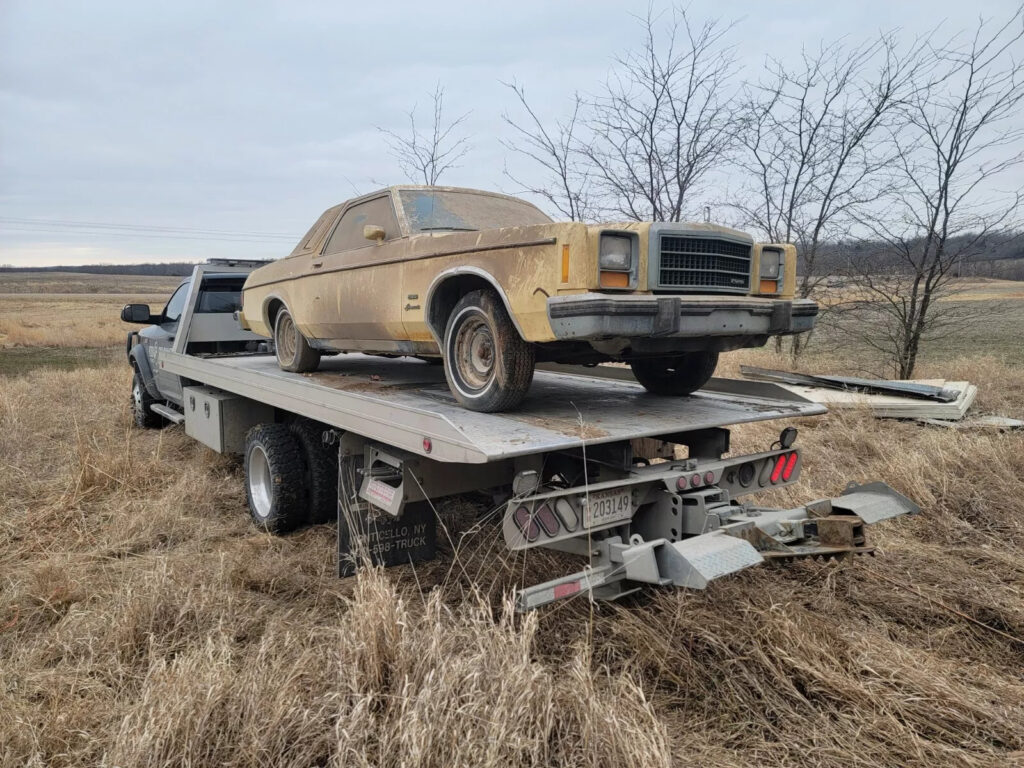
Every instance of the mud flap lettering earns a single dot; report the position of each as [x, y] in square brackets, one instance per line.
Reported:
[384, 540]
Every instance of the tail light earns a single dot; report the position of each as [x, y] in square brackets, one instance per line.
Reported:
[547, 519]
[790, 466]
[780, 464]
[527, 525]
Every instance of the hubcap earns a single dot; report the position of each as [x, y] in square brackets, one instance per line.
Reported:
[285, 338]
[474, 352]
[261, 486]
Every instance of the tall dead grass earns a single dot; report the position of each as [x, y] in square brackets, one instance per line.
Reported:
[144, 622]
[67, 320]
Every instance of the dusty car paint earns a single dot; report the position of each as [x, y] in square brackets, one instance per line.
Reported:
[376, 297]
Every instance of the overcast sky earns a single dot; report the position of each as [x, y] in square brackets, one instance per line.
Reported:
[254, 117]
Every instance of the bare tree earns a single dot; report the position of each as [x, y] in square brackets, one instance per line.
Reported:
[815, 145]
[427, 156]
[957, 132]
[665, 118]
[642, 146]
[567, 187]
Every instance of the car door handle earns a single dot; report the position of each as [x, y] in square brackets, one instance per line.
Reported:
[317, 264]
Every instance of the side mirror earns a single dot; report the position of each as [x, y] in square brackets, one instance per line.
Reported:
[373, 232]
[136, 313]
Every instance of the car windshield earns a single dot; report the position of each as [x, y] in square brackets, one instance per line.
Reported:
[430, 210]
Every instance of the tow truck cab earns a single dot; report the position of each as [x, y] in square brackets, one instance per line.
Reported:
[198, 319]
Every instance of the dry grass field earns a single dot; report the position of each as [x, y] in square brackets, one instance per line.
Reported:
[145, 622]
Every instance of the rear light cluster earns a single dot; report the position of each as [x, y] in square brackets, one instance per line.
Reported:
[696, 480]
[781, 470]
[773, 470]
[550, 517]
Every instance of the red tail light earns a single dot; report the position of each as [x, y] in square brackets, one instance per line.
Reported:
[790, 466]
[780, 464]
[527, 525]
[547, 519]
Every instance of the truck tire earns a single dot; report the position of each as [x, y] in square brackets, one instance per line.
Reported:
[292, 350]
[141, 402]
[320, 470]
[489, 367]
[274, 478]
[675, 376]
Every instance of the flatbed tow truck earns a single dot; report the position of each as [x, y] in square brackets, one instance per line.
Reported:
[589, 464]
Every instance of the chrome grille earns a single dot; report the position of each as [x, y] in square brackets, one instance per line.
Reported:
[704, 262]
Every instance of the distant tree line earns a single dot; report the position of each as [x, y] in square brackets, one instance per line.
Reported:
[170, 269]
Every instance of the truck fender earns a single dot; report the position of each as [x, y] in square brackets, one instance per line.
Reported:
[140, 360]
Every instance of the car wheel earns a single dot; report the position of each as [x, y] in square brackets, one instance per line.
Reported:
[292, 349]
[678, 375]
[141, 402]
[488, 365]
[274, 478]
[321, 470]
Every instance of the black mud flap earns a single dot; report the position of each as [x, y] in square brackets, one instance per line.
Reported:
[380, 539]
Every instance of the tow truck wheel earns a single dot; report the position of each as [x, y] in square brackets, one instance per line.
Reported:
[675, 376]
[292, 349]
[141, 400]
[321, 470]
[274, 478]
[488, 365]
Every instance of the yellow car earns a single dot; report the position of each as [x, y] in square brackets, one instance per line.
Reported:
[489, 285]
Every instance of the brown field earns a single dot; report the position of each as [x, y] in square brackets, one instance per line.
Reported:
[74, 282]
[145, 622]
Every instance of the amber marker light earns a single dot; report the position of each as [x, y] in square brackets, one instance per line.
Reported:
[565, 263]
[768, 286]
[615, 280]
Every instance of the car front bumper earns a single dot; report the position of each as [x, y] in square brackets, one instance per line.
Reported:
[595, 316]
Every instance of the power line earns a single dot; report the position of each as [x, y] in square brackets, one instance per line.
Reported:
[163, 236]
[95, 227]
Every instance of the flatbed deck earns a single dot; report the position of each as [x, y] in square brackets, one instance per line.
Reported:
[400, 402]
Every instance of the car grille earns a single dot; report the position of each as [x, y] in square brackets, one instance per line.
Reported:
[693, 263]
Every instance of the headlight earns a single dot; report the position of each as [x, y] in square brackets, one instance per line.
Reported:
[616, 253]
[771, 263]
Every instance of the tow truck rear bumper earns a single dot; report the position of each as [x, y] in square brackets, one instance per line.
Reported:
[592, 316]
[828, 528]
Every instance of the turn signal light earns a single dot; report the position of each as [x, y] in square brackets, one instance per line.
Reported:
[780, 464]
[768, 286]
[615, 280]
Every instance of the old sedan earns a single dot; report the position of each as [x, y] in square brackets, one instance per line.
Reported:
[489, 285]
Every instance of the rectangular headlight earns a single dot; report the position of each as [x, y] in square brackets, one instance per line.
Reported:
[771, 263]
[616, 253]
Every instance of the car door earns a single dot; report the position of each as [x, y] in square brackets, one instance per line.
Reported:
[159, 338]
[360, 285]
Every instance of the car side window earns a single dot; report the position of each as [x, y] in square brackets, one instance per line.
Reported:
[348, 234]
[176, 304]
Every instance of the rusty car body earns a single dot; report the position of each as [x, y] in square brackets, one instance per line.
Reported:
[489, 284]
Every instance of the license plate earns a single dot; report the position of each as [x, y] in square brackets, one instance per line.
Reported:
[603, 507]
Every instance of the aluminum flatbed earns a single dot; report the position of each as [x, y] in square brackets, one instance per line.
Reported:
[402, 402]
